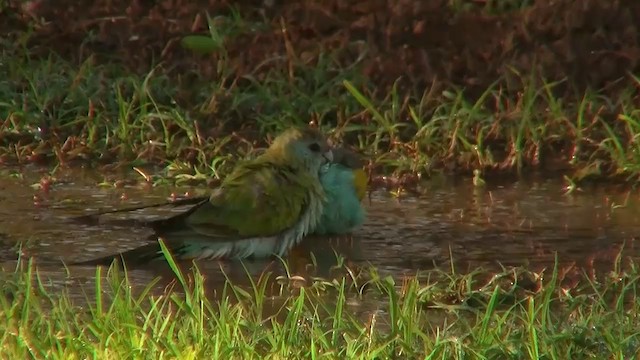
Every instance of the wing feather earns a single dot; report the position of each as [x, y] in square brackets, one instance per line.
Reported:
[257, 200]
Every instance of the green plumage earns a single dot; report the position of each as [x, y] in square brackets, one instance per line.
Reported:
[264, 207]
[252, 202]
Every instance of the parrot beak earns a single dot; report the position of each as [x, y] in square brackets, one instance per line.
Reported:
[328, 155]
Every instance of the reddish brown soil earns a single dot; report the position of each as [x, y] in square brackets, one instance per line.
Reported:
[591, 43]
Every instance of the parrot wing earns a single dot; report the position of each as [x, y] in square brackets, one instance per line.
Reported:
[258, 200]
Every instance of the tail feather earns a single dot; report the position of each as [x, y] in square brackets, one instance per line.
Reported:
[172, 223]
[147, 253]
[135, 257]
[197, 247]
[94, 218]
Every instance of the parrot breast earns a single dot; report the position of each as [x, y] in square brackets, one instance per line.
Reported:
[344, 188]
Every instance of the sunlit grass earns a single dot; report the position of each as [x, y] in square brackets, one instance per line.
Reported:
[98, 113]
[60, 113]
[515, 314]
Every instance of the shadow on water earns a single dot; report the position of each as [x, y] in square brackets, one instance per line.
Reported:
[522, 223]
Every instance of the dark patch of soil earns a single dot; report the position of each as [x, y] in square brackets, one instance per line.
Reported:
[591, 43]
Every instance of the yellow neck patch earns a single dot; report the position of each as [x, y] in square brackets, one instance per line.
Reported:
[360, 181]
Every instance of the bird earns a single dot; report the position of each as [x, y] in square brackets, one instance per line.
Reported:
[345, 184]
[264, 207]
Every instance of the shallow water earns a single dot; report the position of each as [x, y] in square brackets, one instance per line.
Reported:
[521, 223]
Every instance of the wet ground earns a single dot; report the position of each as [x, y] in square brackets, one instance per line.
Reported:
[520, 223]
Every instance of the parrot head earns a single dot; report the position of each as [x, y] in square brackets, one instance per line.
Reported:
[302, 147]
[348, 158]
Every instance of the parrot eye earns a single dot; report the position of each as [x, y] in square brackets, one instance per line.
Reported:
[314, 147]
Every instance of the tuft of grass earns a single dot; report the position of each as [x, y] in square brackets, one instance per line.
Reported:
[441, 315]
[56, 112]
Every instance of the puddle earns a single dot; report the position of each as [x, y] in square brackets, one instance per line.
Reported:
[522, 223]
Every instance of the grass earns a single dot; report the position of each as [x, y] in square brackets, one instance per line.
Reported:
[171, 124]
[438, 314]
[59, 113]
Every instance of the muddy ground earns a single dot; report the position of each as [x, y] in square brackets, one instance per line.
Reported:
[590, 43]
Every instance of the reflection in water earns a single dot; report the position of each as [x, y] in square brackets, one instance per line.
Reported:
[525, 223]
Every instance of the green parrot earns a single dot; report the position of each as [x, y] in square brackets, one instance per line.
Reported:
[264, 207]
[345, 185]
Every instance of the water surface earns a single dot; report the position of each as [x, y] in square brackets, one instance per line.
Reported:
[520, 223]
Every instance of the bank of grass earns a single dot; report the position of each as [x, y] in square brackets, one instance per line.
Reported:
[56, 112]
[515, 314]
